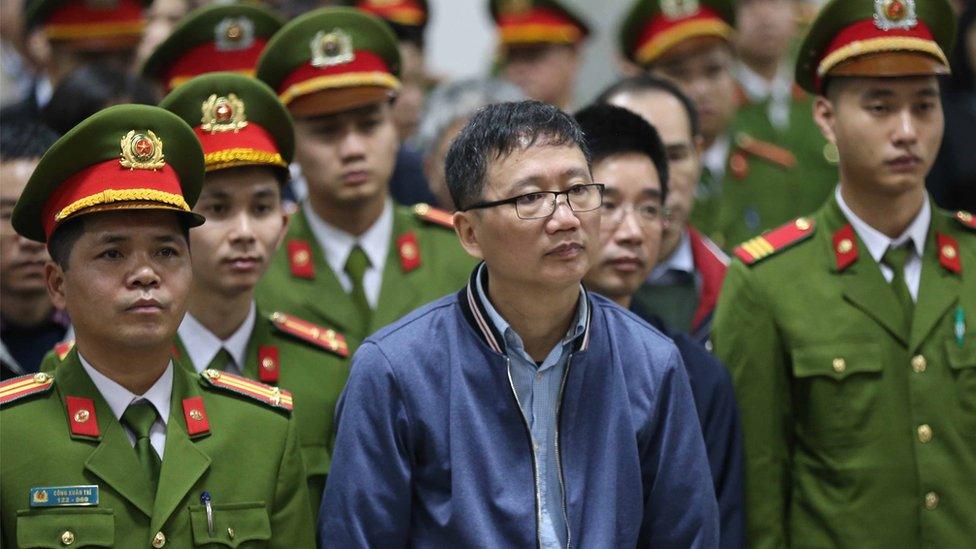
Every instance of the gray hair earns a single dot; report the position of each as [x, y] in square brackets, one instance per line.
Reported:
[455, 101]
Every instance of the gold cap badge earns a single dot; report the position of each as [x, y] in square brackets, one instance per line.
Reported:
[142, 151]
[223, 114]
[330, 49]
[677, 9]
[895, 14]
[234, 33]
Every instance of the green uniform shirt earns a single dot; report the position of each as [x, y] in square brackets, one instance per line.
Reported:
[857, 432]
[248, 460]
[314, 375]
[425, 262]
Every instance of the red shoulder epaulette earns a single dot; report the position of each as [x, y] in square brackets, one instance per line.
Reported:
[62, 349]
[326, 338]
[765, 150]
[17, 388]
[771, 242]
[266, 394]
[433, 215]
[967, 219]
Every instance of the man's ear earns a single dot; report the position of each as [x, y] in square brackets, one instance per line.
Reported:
[285, 220]
[54, 277]
[464, 226]
[825, 116]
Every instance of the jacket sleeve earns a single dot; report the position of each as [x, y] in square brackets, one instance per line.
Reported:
[368, 490]
[679, 500]
[747, 340]
[291, 519]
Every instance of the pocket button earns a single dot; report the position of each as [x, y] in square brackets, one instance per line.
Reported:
[839, 365]
[67, 538]
[919, 364]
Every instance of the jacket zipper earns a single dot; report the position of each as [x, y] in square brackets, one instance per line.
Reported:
[535, 467]
[559, 459]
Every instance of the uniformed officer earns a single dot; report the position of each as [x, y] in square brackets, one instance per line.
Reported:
[351, 261]
[753, 178]
[218, 37]
[248, 142]
[540, 47]
[851, 334]
[120, 446]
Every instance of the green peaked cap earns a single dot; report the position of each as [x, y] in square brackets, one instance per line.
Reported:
[97, 166]
[688, 19]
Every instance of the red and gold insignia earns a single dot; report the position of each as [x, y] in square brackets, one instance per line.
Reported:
[776, 240]
[326, 338]
[62, 349]
[845, 247]
[272, 396]
[223, 114]
[17, 388]
[949, 253]
[409, 251]
[81, 416]
[269, 367]
[300, 259]
[332, 48]
[195, 415]
[142, 151]
[895, 14]
[967, 219]
[765, 150]
[433, 215]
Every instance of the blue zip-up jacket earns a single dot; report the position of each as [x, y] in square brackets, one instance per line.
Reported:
[432, 449]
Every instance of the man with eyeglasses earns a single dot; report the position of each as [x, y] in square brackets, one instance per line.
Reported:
[629, 159]
[541, 415]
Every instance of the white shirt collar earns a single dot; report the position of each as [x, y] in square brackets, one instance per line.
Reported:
[119, 398]
[202, 345]
[681, 259]
[878, 243]
[337, 244]
[759, 89]
[714, 157]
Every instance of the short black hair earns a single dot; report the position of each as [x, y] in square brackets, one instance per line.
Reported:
[646, 83]
[89, 89]
[24, 138]
[497, 130]
[66, 235]
[612, 130]
[411, 34]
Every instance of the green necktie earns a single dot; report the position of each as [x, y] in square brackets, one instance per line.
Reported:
[221, 360]
[139, 418]
[895, 258]
[356, 266]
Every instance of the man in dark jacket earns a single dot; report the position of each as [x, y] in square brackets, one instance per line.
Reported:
[629, 160]
[525, 411]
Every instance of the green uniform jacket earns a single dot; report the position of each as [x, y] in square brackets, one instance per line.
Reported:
[314, 375]
[761, 188]
[857, 433]
[425, 262]
[248, 460]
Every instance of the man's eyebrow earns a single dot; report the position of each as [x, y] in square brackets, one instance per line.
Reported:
[222, 195]
[265, 193]
[651, 193]
[11, 202]
[112, 238]
[928, 92]
[878, 93]
[534, 179]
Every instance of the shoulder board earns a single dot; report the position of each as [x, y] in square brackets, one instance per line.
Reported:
[433, 215]
[62, 349]
[272, 396]
[774, 241]
[326, 338]
[967, 219]
[765, 150]
[17, 388]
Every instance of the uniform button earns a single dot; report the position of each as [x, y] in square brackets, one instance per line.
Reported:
[924, 433]
[931, 500]
[231, 534]
[839, 365]
[67, 537]
[919, 364]
[159, 540]
[538, 376]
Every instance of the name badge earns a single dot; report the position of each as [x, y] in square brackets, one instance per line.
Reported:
[64, 496]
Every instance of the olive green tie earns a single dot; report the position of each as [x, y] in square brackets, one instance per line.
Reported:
[139, 418]
[356, 266]
[895, 258]
[221, 360]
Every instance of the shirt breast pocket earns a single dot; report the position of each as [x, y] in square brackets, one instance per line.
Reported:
[234, 524]
[962, 362]
[836, 390]
[62, 527]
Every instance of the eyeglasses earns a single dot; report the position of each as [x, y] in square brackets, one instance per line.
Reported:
[645, 213]
[540, 204]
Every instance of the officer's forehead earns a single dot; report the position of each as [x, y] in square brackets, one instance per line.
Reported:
[884, 87]
[119, 226]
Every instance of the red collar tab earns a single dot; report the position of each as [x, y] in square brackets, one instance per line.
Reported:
[949, 253]
[197, 423]
[300, 259]
[81, 416]
[845, 247]
[269, 366]
[409, 251]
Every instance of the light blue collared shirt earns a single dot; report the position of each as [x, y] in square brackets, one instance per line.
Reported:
[538, 388]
